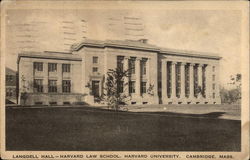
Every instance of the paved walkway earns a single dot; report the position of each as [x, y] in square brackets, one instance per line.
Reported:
[232, 112]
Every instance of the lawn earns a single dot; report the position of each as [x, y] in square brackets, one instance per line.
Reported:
[90, 129]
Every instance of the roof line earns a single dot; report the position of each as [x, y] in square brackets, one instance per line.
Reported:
[48, 57]
[103, 44]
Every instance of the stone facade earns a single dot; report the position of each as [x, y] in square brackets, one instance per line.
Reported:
[31, 93]
[173, 77]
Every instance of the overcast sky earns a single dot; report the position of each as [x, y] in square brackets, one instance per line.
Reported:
[215, 31]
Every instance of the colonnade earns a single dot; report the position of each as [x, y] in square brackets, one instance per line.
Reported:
[185, 81]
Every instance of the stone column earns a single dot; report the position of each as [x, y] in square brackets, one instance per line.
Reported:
[147, 72]
[200, 85]
[164, 78]
[182, 95]
[60, 76]
[191, 80]
[208, 82]
[126, 79]
[148, 75]
[46, 81]
[138, 76]
[173, 80]
[46, 77]
[71, 77]
[200, 75]
[217, 79]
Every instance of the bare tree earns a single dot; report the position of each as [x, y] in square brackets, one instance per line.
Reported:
[115, 83]
[25, 88]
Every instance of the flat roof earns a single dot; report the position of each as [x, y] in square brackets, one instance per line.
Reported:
[138, 45]
[50, 55]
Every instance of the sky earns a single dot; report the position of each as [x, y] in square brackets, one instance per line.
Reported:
[213, 31]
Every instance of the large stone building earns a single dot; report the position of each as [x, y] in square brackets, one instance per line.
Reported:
[174, 77]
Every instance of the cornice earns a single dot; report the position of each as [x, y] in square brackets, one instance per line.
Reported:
[144, 47]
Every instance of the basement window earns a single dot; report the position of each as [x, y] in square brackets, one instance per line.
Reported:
[53, 103]
[66, 103]
[38, 103]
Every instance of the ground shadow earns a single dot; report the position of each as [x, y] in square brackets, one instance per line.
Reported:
[86, 128]
[207, 115]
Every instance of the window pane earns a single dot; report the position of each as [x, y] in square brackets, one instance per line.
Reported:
[38, 85]
[66, 85]
[132, 87]
[95, 69]
[120, 62]
[52, 86]
[143, 87]
[38, 66]
[213, 77]
[66, 67]
[95, 59]
[213, 68]
[120, 87]
[132, 66]
[143, 67]
[52, 67]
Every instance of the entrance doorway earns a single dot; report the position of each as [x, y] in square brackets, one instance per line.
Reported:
[95, 89]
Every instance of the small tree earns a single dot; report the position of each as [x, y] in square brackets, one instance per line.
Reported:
[232, 95]
[25, 87]
[113, 89]
[150, 90]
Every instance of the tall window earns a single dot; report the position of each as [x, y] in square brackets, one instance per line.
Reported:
[213, 77]
[132, 66]
[66, 67]
[132, 87]
[120, 87]
[204, 81]
[178, 80]
[213, 68]
[187, 80]
[120, 62]
[143, 87]
[52, 67]
[95, 59]
[38, 85]
[213, 86]
[213, 95]
[195, 81]
[38, 66]
[169, 80]
[66, 86]
[9, 78]
[143, 67]
[52, 86]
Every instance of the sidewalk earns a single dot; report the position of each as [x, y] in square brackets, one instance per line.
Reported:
[232, 112]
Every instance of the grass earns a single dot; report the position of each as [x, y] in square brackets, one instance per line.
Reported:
[89, 129]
